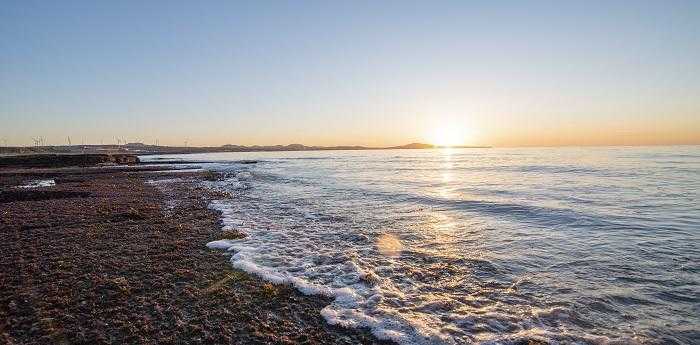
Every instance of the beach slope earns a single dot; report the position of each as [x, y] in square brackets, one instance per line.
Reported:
[103, 256]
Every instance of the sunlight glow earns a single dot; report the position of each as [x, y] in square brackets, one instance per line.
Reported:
[447, 136]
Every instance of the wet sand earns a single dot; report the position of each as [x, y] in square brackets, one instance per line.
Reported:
[105, 257]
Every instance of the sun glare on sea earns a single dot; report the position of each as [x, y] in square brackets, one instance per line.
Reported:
[447, 136]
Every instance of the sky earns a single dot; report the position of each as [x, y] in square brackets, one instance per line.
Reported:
[375, 73]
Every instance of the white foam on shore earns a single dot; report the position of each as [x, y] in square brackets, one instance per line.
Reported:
[244, 175]
[353, 302]
[38, 184]
[220, 244]
[164, 181]
[281, 255]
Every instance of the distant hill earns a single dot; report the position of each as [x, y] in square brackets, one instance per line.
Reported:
[413, 146]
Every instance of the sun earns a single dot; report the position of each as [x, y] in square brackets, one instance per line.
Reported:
[447, 136]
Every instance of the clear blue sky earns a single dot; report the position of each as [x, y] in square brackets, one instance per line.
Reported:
[331, 72]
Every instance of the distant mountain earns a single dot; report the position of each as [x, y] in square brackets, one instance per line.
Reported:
[413, 146]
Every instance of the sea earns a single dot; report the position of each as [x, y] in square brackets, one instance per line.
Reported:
[592, 245]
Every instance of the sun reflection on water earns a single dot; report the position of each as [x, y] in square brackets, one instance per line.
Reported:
[446, 174]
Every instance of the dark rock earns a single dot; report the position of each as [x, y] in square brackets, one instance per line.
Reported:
[65, 160]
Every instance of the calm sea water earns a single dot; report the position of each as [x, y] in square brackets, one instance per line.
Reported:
[589, 245]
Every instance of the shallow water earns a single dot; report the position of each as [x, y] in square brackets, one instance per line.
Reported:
[592, 245]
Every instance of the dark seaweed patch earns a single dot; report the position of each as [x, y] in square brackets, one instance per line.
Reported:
[37, 195]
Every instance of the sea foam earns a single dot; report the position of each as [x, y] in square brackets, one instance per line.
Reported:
[38, 184]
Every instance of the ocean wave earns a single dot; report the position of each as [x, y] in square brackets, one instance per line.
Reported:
[565, 252]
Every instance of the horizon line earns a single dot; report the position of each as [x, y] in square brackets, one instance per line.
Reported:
[351, 146]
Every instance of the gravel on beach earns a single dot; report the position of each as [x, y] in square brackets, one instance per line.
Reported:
[105, 257]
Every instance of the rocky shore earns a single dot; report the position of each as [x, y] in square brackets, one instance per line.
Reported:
[50, 160]
[110, 256]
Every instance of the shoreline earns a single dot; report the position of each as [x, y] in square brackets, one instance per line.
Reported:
[104, 256]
